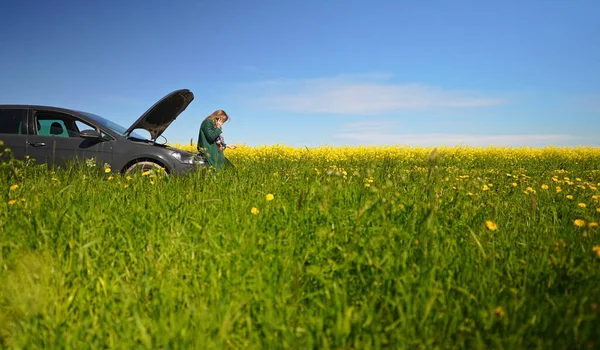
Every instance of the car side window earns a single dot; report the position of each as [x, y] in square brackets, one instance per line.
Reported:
[59, 125]
[12, 121]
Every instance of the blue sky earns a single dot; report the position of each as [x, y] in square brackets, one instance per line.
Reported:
[308, 73]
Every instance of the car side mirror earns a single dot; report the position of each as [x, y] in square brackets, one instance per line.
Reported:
[90, 134]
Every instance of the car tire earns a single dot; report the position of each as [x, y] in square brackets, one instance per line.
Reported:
[144, 166]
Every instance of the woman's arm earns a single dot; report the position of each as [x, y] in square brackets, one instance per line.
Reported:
[210, 130]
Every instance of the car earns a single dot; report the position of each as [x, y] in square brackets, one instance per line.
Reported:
[58, 136]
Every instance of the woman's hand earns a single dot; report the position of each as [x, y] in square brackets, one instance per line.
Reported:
[219, 124]
[231, 146]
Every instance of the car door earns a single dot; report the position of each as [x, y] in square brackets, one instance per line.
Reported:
[13, 132]
[55, 140]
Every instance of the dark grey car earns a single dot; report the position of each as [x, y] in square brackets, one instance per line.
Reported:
[58, 136]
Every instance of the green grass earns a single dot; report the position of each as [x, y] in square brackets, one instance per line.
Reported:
[329, 263]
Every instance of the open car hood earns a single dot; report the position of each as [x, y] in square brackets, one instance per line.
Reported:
[156, 119]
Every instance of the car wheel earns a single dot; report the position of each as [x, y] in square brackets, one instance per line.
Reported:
[144, 167]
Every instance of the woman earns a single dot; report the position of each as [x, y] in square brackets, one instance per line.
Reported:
[209, 139]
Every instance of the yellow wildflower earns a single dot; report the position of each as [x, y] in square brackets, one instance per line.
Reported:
[582, 205]
[146, 173]
[110, 178]
[499, 311]
[125, 186]
[491, 225]
[596, 249]
[12, 201]
[254, 211]
[485, 187]
[544, 187]
[151, 182]
[569, 196]
[514, 184]
[14, 187]
[593, 224]
[107, 170]
[558, 189]
[270, 197]
[579, 223]
[128, 177]
[54, 179]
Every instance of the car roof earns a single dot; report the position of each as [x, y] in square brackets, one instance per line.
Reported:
[52, 108]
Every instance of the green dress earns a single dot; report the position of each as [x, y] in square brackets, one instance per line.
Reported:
[207, 146]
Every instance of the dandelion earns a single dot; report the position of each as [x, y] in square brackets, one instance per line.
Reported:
[499, 311]
[581, 205]
[14, 187]
[151, 182]
[593, 224]
[128, 178]
[558, 189]
[579, 223]
[54, 179]
[491, 225]
[514, 184]
[270, 197]
[23, 199]
[12, 201]
[110, 178]
[544, 187]
[107, 170]
[254, 211]
[569, 196]
[596, 249]
[598, 210]
[125, 186]
[146, 173]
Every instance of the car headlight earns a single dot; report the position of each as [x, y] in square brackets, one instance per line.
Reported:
[186, 159]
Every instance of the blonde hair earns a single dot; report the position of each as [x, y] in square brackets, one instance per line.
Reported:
[218, 115]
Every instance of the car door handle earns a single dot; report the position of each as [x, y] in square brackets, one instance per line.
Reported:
[37, 144]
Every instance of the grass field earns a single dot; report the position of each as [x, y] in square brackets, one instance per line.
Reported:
[329, 248]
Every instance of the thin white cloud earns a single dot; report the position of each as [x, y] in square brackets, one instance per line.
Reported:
[368, 137]
[362, 95]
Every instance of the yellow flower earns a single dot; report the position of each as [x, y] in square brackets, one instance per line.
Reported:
[54, 179]
[491, 225]
[544, 187]
[12, 201]
[125, 186]
[14, 187]
[146, 173]
[499, 311]
[110, 178]
[558, 189]
[254, 211]
[596, 248]
[107, 170]
[514, 184]
[485, 187]
[579, 223]
[598, 210]
[270, 197]
[593, 224]
[22, 199]
[582, 205]
[569, 196]
[128, 177]
[151, 182]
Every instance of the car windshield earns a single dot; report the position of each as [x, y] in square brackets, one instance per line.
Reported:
[112, 125]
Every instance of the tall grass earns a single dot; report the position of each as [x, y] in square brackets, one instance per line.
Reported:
[361, 253]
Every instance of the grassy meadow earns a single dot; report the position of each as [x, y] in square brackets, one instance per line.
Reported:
[326, 247]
